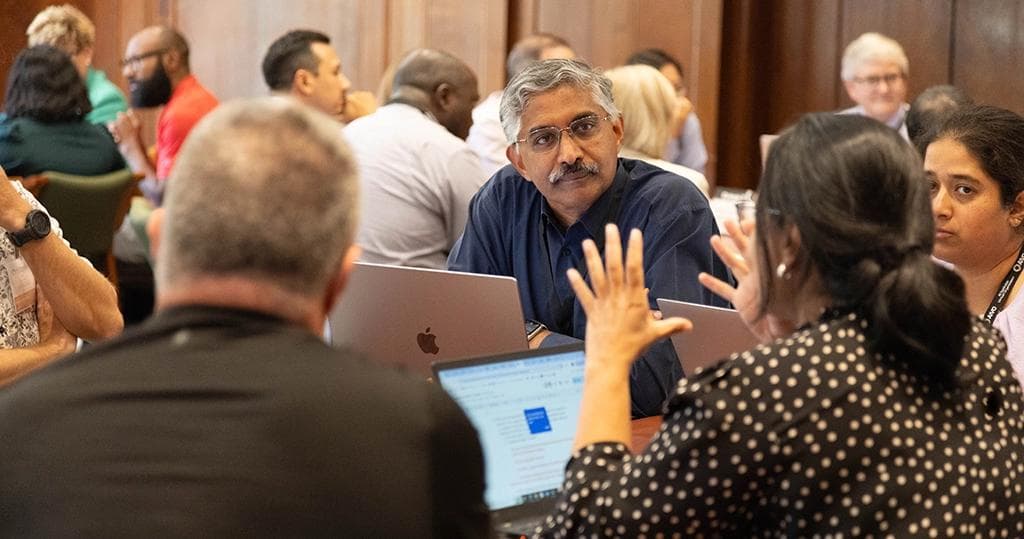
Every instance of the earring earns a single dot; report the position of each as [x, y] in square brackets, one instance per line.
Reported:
[781, 271]
[1015, 223]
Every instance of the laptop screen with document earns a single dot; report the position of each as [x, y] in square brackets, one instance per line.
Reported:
[525, 408]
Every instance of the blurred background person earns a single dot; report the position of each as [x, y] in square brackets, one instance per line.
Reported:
[304, 65]
[931, 107]
[416, 171]
[68, 29]
[486, 138]
[975, 167]
[857, 420]
[43, 126]
[652, 114]
[874, 73]
[685, 148]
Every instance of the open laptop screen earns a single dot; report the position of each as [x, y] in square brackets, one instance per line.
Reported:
[525, 408]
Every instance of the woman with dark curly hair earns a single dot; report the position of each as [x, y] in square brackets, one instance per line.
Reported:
[43, 126]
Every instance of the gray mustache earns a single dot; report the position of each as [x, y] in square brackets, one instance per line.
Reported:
[565, 170]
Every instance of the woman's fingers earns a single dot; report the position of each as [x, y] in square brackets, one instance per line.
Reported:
[635, 262]
[613, 256]
[718, 286]
[732, 258]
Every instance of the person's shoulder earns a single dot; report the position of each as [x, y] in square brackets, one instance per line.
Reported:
[661, 189]
[192, 101]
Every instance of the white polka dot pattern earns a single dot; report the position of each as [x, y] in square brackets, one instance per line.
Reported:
[815, 436]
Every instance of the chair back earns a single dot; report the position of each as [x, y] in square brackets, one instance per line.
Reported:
[88, 208]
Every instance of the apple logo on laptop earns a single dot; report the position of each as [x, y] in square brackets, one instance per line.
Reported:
[427, 343]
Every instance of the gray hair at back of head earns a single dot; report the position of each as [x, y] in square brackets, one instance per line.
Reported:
[263, 189]
[541, 77]
[872, 46]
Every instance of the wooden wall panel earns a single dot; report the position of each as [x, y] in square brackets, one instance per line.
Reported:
[989, 43]
[473, 31]
[230, 37]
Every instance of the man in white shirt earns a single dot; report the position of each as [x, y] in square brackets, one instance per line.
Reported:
[486, 137]
[417, 173]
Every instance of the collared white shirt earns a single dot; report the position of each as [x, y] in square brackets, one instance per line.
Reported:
[417, 180]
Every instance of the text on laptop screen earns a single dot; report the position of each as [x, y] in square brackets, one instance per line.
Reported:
[525, 411]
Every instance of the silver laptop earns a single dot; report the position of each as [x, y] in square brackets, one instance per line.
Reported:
[717, 333]
[525, 408]
[410, 317]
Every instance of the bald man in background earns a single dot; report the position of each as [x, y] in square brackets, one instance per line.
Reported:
[417, 172]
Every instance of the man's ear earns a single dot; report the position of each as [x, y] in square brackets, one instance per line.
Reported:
[618, 128]
[848, 84]
[302, 82]
[171, 61]
[514, 157]
[155, 227]
[443, 96]
[336, 285]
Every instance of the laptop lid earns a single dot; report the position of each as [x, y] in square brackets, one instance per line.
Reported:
[525, 408]
[717, 333]
[410, 317]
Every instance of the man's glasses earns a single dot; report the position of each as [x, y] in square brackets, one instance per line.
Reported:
[875, 80]
[546, 139]
[135, 62]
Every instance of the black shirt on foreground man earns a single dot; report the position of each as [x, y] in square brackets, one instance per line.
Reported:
[226, 415]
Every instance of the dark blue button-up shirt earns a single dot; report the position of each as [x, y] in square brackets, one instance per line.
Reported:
[512, 231]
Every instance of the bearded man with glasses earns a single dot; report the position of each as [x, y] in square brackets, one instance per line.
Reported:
[564, 184]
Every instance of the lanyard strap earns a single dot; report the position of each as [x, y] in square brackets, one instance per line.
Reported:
[999, 300]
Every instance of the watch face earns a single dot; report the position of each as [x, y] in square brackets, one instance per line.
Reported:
[38, 222]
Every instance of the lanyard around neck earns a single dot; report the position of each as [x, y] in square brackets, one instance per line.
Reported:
[999, 300]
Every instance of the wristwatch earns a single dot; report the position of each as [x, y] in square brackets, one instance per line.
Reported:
[533, 328]
[37, 227]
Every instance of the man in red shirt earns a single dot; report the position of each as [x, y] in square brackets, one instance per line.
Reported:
[157, 69]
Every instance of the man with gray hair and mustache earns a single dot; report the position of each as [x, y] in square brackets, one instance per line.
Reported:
[564, 184]
[226, 415]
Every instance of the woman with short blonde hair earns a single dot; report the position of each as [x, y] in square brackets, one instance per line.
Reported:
[651, 116]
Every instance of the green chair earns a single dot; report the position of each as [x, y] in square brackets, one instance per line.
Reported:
[89, 210]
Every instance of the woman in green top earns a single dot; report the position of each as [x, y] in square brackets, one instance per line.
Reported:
[43, 126]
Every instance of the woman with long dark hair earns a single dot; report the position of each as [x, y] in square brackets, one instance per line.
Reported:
[888, 410]
[43, 126]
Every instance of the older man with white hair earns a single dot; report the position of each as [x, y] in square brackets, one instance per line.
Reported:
[226, 414]
[874, 73]
[564, 184]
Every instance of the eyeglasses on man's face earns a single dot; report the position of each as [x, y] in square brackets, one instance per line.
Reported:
[875, 80]
[135, 62]
[545, 139]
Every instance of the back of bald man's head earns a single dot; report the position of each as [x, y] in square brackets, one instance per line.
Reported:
[427, 69]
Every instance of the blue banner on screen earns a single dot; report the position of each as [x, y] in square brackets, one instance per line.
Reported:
[526, 411]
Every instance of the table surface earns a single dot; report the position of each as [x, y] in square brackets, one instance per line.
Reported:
[643, 430]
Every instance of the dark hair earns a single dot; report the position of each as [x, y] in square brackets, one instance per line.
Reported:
[931, 107]
[529, 50]
[995, 138]
[44, 85]
[656, 58]
[855, 191]
[290, 53]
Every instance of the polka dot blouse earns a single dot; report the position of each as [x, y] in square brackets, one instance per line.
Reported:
[815, 436]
